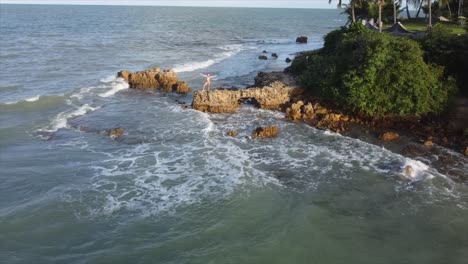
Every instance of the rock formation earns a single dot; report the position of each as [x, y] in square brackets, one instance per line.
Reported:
[262, 57]
[232, 133]
[265, 132]
[389, 136]
[116, 132]
[275, 97]
[288, 60]
[266, 78]
[274, 55]
[164, 80]
[301, 39]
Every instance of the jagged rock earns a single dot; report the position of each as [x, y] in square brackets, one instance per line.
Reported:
[274, 55]
[308, 111]
[301, 39]
[274, 97]
[389, 136]
[428, 143]
[262, 57]
[288, 60]
[265, 132]
[233, 133]
[116, 132]
[164, 80]
[266, 78]
[265, 51]
[295, 111]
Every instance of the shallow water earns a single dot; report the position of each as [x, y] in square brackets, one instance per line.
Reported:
[175, 188]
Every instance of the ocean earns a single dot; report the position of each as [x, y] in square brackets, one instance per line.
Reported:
[175, 188]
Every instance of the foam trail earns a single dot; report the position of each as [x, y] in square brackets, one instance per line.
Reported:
[61, 120]
[118, 85]
[415, 170]
[109, 79]
[31, 99]
[230, 51]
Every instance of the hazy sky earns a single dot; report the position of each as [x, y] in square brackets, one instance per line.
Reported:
[233, 3]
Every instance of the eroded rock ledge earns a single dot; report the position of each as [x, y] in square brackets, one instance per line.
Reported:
[276, 96]
[163, 80]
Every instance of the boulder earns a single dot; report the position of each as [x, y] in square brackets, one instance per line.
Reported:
[288, 60]
[264, 51]
[428, 143]
[265, 132]
[266, 78]
[308, 111]
[301, 39]
[262, 57]
[116, 132]
[164, 80]
[274, 55]
[233, 133]
[389, 136]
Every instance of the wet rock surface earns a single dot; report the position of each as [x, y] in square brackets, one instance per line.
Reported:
[301, 39]
[276, 96]
[156, 78]
[265, 132]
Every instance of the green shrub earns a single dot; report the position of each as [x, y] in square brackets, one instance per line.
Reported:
[450, 51]
[375, 74]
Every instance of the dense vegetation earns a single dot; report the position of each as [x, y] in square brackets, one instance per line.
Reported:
[450, 51]
[374, 74]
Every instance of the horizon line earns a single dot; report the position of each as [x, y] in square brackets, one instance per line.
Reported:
[156, 5]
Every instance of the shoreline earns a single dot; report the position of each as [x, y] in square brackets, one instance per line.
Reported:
[420, 138]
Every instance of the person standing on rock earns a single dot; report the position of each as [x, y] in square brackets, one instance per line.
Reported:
[208, 81]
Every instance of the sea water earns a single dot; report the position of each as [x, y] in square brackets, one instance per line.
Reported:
[174, 188]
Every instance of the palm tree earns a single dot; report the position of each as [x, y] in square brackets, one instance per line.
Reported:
[352, 3]
[380, 4]
[430, 14]
[447, 3]
[395, 12]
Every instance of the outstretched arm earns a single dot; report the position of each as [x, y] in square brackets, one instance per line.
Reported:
[203, 75]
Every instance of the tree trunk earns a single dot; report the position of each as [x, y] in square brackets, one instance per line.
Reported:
[408, 15]
[380, 16]
[460, 2]
[450, 10]
[419, 9]
[352, 12]
[430, 14]
[394, 12]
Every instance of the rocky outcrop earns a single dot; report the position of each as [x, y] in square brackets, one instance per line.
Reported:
[262, 57]
[389, 136]
[164, 80]
[232, 133]
[301, 39]
[265, 132]
[275, 97]
[266, 78]
[274, 55]
[116, 132]
[288, 60]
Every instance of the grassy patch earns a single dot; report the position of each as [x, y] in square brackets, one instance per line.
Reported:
[422, 26]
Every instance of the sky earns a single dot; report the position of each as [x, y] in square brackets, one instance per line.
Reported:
[229, 3]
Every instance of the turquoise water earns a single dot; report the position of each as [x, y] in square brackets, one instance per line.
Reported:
[175, 188]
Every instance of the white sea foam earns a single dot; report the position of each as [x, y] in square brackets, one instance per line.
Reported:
[61, 120]
[117, 85]
[109, 79]
[228, 52]
[415, 170]
[31, 99]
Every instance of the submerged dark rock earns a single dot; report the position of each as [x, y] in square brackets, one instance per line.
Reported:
[262, 57]
[301, 39]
